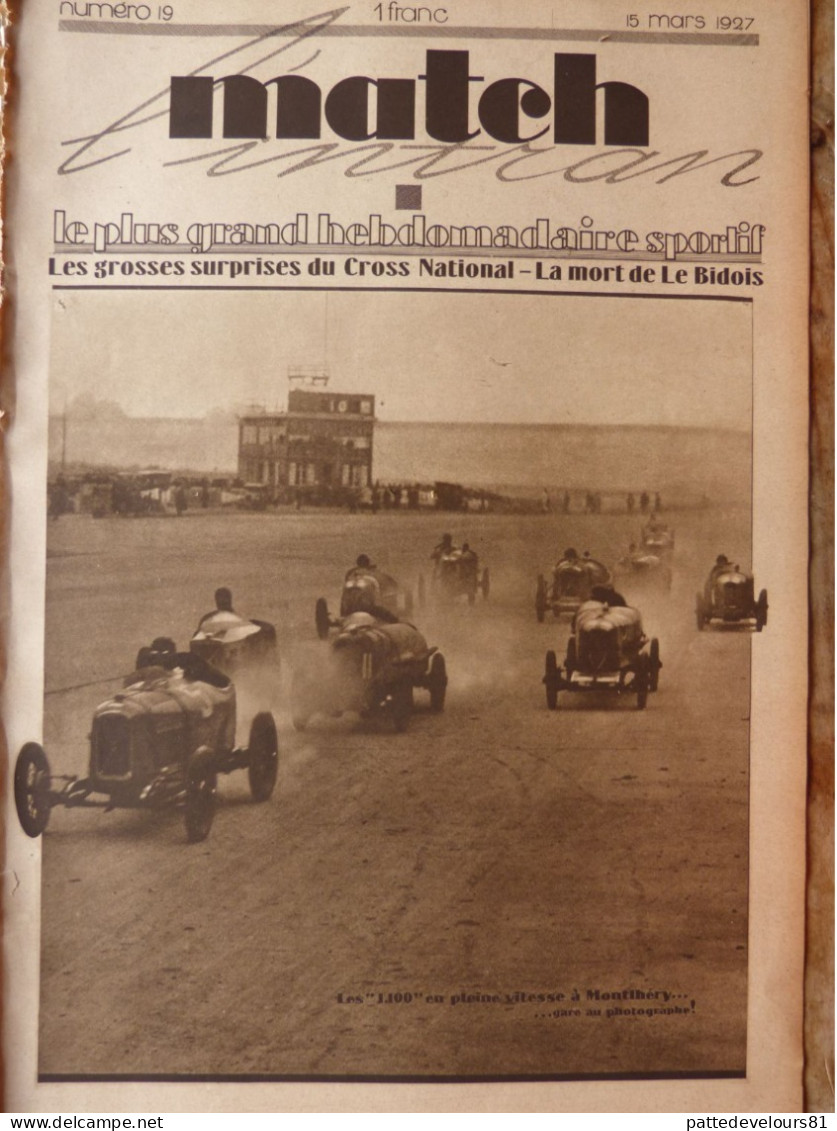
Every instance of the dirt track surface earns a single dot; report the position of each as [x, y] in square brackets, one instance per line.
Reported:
[497, 850]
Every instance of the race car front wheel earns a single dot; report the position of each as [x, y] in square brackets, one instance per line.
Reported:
[437, 682]
[321, 618]
[32, 789]
[201, 784]
[263, 751]
[761, 611]
[642, 680]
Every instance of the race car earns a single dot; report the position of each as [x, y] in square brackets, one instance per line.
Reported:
[233, 643]
[365, 589]
[641, 569]
[571, 584]
[161, 741]
[729, 598]
[457, 574]
[607, 652]
[656, 537]
[372, 669]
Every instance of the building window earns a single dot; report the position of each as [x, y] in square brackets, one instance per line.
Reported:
[366, 407]
[355, 475]
[249, 434]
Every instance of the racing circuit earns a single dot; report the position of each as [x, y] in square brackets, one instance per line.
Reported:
[499, 891]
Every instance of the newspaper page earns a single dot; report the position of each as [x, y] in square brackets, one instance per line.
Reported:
[406, 690]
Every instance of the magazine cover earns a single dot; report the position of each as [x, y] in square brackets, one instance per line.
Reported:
[406, 635]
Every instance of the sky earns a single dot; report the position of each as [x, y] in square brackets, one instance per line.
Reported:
[441, 357]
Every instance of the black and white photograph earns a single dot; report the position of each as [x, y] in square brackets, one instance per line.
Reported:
[396, 692]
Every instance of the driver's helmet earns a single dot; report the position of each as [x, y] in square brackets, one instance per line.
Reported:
[149, 655]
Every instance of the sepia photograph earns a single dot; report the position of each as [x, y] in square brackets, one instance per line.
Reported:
[396, 703]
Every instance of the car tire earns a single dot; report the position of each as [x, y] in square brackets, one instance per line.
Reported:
[402, 705]
[321, 618]
[263, 756]
[761, 611]
[201, 795]
[642, 682]
[550, 679]
[571, 661]
[31, 788]
[654, 665]
[437, 682]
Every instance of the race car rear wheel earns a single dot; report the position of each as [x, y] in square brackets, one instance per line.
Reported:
[402, 705]
[761, 611]
[642, 681]
[654, 665]
[437, 682]
[321, 618]
[201, 784]
[540, 599]
[550, 680]
[32, 789]
[571, 662]
[263, 751]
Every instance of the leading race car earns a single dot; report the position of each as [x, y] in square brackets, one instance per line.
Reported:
[457, 574]
[642, 570]
[572, 582]
[372, 669]
[234, 644]
[365, 589]
[607, 652]
[656, 537]
[729, 598]
[159, 742]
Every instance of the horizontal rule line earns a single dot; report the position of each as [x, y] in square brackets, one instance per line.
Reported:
[396, 290]
[362, 31]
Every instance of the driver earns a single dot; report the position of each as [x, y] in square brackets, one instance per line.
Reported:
[443, 548]
[151, 655]
[223, 604]
[608, 596]
[362, 565]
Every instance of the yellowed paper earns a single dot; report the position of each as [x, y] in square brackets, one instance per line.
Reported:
[294, 290]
